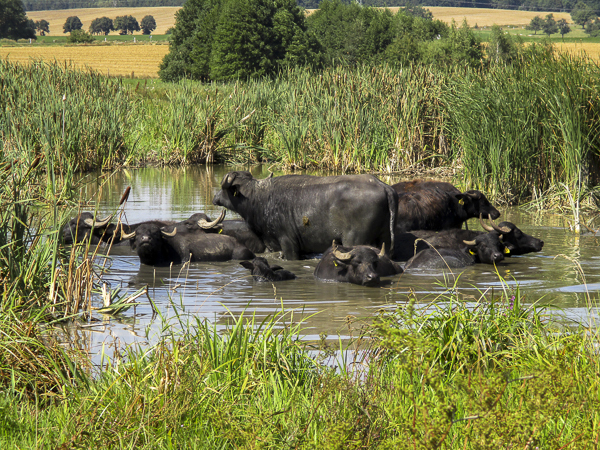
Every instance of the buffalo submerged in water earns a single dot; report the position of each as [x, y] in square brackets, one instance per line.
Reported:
[300, 214]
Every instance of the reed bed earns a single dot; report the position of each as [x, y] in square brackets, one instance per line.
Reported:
[492, 373]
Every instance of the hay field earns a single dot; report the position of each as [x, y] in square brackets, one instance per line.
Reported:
[488, 17]
[163, 15]
[141, 59]
[591, 50]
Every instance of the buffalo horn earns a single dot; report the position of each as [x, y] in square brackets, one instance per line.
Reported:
[98, 223]
[171, 234]
[206, 225]
[127, 236]
[227, 180]
[382, 252]
[484, 226]
[339, 255]
[502, 230]
[474, 195]
[470, 243]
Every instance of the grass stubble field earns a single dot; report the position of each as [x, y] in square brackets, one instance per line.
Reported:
[143, 60]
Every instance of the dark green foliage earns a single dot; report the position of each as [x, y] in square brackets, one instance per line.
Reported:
[42, 26]
[13, 21]
[593, 28]
[349, 33]
[563, 27]
[536, 24]
[126, 24]
[79, 37]
[101, 25]
[148, 24]
[72, 23]
[550, 26]
[581, 14]
[227, 39]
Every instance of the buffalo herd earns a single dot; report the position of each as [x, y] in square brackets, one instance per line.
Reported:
[360, 227]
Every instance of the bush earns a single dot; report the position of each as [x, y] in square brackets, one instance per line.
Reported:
[79, 37]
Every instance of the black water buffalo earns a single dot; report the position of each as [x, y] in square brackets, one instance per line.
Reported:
[158, 246]
[473, 202]
[485, 248]
[515, 240]
[238, 229]
[360, 264]
[261, 271]
[86, 227]
[299, 214]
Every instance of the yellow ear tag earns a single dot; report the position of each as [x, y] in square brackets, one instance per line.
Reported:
[235, 193]
[506, 250]
[221, 230]
[334, 263]
[472, 252]
[461, 202]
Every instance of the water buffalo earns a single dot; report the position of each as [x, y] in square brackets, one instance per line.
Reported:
[161, 246]
[299, 214]
[514, 239]
[86, 227]
[261, 271]
[238, 229]
[360, 264]
[474, 203]
[485, 248]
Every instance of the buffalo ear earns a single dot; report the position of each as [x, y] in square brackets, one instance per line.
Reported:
[274, 268]
[462, 199]
[247, 264]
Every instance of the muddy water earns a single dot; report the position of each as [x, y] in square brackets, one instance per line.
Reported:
[566, 273]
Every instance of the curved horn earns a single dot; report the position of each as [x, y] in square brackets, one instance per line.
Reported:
[171, 234]
[470, 243]
[340, 255]
[473, 194]
[127, 236]
[205, 224]
[98, 223]
[227, 180]
[483, 225]
[502, 230]
[382, 252]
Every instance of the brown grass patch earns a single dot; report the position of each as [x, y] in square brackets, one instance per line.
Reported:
[163, 15]
[116, 59]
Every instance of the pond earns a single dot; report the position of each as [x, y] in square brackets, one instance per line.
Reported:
[566, 273]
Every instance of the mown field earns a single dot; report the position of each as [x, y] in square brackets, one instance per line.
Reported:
[130, 60]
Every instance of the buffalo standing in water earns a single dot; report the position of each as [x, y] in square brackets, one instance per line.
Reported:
[360, 264]
[299, 214]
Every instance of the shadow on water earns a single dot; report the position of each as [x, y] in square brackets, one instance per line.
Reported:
[566, 273]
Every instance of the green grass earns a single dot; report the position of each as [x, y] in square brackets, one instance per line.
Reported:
[62, 40]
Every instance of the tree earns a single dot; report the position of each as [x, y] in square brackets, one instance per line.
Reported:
[502, 47]
[563, 28]
[536, 24]
[79, 36]
[13, 21]
[550, 26]
[148, 24]
[582, 14]
[228, 39]
[101, 25]
[72, 23]
[593, 28]
[126, 24]
[42, 26]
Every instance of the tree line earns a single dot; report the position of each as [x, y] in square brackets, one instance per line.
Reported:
[219, 40]
[527, 5]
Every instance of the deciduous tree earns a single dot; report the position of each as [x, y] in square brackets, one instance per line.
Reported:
[126, 24]
[563, 27]
[582, 14]
[72, 23]
[101, 25]
[13, 21]
[550, 26]
[148, 24]
[536, 24]
[42, 26]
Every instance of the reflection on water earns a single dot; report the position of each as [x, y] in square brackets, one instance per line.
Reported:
[564, 274]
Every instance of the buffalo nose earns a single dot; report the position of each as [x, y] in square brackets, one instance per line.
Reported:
[145, 239]
[371, 279]
[497, 257]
